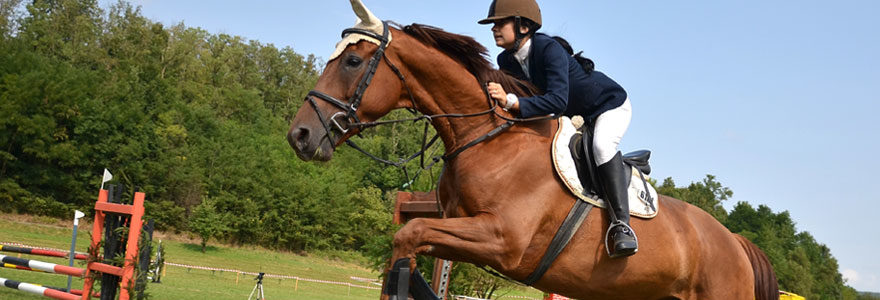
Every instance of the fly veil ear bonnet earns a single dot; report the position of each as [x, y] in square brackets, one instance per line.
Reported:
[366, 21]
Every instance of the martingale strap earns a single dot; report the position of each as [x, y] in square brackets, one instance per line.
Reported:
[478, 140]
[566, 231]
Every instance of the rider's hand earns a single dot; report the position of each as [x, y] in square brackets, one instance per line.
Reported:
[508, 101]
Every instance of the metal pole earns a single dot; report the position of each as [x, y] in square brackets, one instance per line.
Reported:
[76, 215]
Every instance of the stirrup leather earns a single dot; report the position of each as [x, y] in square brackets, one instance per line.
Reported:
[616, 224]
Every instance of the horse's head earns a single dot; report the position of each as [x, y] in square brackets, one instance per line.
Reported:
[357, 85]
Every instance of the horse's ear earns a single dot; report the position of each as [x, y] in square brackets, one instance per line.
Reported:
[366, 21]
[366, 18]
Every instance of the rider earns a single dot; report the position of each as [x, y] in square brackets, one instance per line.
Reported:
[567, 89]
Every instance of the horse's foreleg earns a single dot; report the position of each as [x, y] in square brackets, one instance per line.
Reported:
[480, 240]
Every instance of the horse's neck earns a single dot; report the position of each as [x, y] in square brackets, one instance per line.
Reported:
[443, 86]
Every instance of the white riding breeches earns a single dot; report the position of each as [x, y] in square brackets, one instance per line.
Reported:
[609, 129]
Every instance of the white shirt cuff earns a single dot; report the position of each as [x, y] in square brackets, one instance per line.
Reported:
[511, 100]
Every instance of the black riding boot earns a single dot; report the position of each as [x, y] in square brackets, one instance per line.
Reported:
[620, 238]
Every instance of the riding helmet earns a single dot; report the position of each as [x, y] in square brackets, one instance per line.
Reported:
[502, 9]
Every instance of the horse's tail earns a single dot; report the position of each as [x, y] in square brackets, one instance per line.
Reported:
[766, 285]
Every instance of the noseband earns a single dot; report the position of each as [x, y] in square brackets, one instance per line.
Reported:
[349, 110]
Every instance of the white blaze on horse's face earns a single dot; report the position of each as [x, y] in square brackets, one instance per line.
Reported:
[366, 21]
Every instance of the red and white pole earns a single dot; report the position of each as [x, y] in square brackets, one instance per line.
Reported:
[39, 290]
[43, 266]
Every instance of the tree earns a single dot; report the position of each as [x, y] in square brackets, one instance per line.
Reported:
[41, 103]
[66, 29]
[207, 222]
[7, 17]
[708, 195]
[467, 279]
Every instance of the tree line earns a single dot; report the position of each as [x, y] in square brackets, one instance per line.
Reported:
[197, 121]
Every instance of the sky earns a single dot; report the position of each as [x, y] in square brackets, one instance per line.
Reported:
[774, 98]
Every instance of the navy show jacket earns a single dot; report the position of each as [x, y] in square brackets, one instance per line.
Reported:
[567, 89]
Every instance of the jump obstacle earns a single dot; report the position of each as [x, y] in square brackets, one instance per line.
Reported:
[109, 216]
[43, 266]
[20, 264]
[413, 205]
[39, 290]
[43, 252]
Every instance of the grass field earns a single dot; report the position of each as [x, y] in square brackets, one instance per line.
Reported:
[184, 283]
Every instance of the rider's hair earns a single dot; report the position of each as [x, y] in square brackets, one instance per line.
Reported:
[531, 25]
[586, 63]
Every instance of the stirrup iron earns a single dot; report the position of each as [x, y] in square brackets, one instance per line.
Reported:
[616, 224]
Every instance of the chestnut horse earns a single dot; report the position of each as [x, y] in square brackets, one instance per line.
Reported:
[502, 198]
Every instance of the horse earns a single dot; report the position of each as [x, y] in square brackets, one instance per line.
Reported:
[502, 199]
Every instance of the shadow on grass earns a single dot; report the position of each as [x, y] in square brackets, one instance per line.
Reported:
[198, 248]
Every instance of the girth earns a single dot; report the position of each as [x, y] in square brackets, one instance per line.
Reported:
[566, 231]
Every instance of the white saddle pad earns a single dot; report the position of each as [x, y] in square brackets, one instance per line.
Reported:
[564, 164]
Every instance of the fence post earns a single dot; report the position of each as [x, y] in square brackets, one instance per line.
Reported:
[76, 215]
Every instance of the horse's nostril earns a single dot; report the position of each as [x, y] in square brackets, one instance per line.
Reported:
[298, 138]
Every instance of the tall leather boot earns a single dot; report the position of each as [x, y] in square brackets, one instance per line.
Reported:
[620, 240]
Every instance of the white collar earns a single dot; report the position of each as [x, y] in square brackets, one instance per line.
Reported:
[522, 55]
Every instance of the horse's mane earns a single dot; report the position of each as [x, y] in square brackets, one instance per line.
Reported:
[469, 53]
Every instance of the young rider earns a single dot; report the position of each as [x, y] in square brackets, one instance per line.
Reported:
[566, 89]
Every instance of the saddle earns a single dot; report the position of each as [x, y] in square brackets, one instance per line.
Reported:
[573, 159]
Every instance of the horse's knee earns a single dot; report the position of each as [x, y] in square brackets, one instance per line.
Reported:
[408, 234]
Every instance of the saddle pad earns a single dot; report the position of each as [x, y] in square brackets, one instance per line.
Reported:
[563, 162]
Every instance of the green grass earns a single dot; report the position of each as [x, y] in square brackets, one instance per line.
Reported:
[185, 283]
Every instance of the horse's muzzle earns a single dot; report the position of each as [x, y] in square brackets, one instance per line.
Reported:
[307, 145]
[298, 140]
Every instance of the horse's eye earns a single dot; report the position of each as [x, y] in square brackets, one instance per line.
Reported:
[353, 61]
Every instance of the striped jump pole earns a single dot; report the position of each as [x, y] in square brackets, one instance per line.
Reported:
[39, 290]
[43, 266]
[11, 266]
[43, 252]
[72, 291]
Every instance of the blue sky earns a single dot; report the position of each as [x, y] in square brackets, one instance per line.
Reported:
[775, 98]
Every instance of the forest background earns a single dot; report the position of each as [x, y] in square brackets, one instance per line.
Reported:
[197, 121]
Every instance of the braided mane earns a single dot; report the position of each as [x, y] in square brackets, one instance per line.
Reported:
[469, 53]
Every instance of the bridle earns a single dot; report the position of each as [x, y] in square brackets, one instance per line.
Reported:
[349, 110]
[351, 120]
